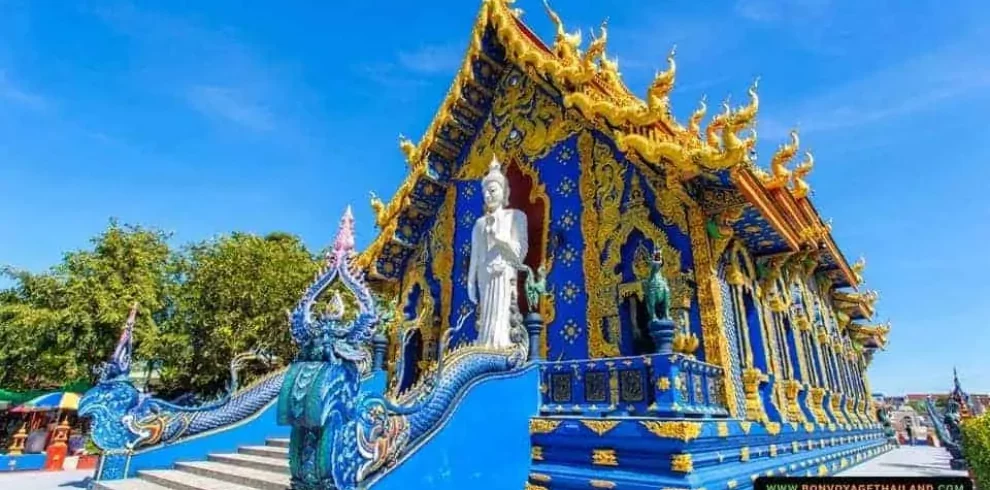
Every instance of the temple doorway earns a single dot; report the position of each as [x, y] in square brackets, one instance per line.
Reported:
[535, 207]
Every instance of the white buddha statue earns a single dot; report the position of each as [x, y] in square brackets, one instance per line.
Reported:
[498, 248]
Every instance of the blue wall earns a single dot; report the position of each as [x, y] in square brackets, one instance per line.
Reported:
[21, 463]
[484, 442]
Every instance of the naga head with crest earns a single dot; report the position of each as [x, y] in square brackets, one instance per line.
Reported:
[114, 394]
[326, 336]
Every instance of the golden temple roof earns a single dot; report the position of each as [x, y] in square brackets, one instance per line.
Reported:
[589, 81]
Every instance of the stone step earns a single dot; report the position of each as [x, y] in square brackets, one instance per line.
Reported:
[267, 451]
[277, 442]
[248, 477]
[128, 484]
[181, 480]
[263, 463]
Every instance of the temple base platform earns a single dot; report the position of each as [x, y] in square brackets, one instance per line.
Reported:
[641, 453]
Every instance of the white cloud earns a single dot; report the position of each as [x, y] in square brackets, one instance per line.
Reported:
[890, 93]
[432, 60]
[231, 105]
[773, 11]
[13, 93]
[210, 69]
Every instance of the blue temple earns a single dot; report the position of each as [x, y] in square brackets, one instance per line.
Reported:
[758, 369]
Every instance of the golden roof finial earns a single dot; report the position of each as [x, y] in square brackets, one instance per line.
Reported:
[746, 114]
[801, 188]
[779, 175]
[378, 207]
[717, 123]
[858, 267]
[409, 149]
[565, 44]
[663, 83]
[596, 50]
[749, 144]
[610, 65]
[694, 124]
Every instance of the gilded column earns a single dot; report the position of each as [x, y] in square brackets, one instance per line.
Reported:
[710, 303]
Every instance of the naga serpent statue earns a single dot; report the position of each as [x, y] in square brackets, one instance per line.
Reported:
[125, 419]
[343, 436]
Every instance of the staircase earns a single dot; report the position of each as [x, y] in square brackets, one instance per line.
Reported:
[250, 468]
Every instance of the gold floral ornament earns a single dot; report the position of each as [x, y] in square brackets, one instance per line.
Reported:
[600, 427]
[681, 463]
[542, 426]
[685, 342]
[604, 457]
[681, 430]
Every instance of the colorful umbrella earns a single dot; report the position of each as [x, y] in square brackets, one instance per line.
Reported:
[59, 400]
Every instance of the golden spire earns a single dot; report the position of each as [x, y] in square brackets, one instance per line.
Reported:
[801, 188]
[663, 83]
[694, 124]
[778, 163]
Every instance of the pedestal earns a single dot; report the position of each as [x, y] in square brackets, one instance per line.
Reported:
[534, 325]
[17, 447]
[662, 332]
[58, 449]
[379, 344]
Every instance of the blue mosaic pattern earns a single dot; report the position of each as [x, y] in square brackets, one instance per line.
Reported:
[469, 205]
[567, 235]
[734, 337]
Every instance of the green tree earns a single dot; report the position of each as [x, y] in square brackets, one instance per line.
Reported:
[57, 326]
[231, 297]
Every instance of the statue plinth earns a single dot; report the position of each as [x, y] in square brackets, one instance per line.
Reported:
[662, 332]
[379, 344]
[534, 325]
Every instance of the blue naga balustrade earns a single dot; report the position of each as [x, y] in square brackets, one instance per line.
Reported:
[655, 385]
[136, 431]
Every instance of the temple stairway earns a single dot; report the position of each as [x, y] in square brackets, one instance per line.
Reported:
[250, 468]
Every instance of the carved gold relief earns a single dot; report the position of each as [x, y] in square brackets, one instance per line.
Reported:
[681, 463]
[442, 245]
[536, 453]
[542, 426]
[680, 430]
[604, 457]
[600, 427]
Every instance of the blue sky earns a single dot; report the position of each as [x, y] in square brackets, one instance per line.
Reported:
[274, 117]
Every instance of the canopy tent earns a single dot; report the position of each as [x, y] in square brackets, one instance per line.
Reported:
[17, 397]
[58, 400]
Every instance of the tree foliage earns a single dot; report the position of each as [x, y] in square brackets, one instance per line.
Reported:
[198, 307]
[232, 297]
[976, 448]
